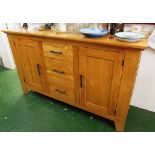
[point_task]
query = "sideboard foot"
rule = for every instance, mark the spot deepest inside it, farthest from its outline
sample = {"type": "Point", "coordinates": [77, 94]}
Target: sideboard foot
{"type": "Point", "coordinates": [119, 127]}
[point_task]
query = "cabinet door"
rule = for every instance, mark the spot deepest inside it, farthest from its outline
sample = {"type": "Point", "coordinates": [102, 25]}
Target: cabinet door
{"type": "Point", "coordinates": [100, 74]}
{"type": "Point", "coordinates": [31, 63]}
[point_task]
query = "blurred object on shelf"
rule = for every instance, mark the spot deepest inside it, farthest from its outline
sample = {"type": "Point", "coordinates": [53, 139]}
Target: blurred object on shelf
{"type": "Point", "coordinates": [112, 29]}
{"type": "Point", "coordinates": [54, 28]}
{"type": "Point", "coordinates": [14, 26]}
{"type": "Point", "coordinates": [31, 27]}
{"type": "Point", "coordinates": [48, 25]}
{"type": "Point", "coordinates": [34, 26]}
{"type": "Point", "coordinates": [119, 27]}
{"type": "Point", "coordinates": [25, 26]}
{"type": "Point", "coordinates": [147, 29]}
{"type": "Point", "coordinates": [136, 28]}
{"type": "Point", "coordinates": [103, 25]}
{"type": "Point", "coordinates": [62, 27]}
{"type": "Point", "coordinates": [75, 27]}
{"type": "Point", "coordinates": [83, 25]}
{"type": "Point", "coordinates": [93, 25]}
{"type": "Point", "coordinates": [42, 27]}
{"type": "Point", "coordinates": [115, 27]}
{"type": "Point", "coordinates": [70, 27]}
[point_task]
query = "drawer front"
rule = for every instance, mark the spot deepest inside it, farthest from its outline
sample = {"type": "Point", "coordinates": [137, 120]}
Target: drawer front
{"type": "Point", "coordinates": [58, 51]}
{"type": "Point", "coordinates": [59, 68]}
{"type": "Point", "coordinates": [61, 89]}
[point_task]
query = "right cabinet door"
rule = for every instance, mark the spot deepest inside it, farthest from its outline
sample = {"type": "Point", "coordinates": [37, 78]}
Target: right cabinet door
{"type": "Point", "coordinates": [99, 76]}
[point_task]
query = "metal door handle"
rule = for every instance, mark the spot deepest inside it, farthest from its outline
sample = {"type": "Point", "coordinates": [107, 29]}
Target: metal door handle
{"type": "Point", "coordinates": [81, 77]}
{"type": "Point", "coordinates": [38, 68]}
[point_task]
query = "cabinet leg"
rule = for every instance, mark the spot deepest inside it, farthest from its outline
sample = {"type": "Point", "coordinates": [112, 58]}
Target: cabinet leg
{"type": "Point", "coordinates": [25, 92]}
{"type": "Point", "coordinates": [119, 127]}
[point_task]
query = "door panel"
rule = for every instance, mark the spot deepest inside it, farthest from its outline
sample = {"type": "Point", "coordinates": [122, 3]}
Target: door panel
{"type": "Point", "coordinates": [31, 62]}
{"type": "Point", "coordinates": [100, 73]}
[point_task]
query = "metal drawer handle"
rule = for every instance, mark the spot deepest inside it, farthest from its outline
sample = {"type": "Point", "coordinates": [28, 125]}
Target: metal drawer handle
{"type": "Point", "coordinates": [55, 52]}
{"type": "Point", "coordinates": [60, 91]}
{"type": "Point", "coordinates": [57, 71]}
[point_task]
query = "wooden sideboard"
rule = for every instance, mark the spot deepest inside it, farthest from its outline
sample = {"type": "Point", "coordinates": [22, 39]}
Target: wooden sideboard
{"type": "Point", "coordinates": [96, 75]}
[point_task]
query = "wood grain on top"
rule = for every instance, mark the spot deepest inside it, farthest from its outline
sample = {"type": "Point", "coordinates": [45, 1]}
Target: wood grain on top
{"type": "Point", "coordinates": [105, 40]}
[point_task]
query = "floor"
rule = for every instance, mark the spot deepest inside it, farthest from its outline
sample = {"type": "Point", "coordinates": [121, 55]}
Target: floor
{"type": "Point", "coordinates": [36, 112]}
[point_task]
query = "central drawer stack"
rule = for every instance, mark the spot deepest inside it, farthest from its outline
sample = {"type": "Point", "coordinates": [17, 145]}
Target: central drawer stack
{"type": "Point", "coordinates": [59, 64]}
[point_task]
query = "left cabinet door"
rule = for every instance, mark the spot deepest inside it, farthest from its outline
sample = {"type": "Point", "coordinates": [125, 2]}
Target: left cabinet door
{"type": "Point", "coordinates": [30, 59]}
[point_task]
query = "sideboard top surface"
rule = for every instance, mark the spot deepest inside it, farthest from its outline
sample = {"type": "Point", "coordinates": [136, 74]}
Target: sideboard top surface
{"type": "Point", "coordinates": [81, 38]}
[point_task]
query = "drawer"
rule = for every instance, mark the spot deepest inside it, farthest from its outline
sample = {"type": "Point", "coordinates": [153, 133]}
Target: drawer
{"type": "Point", "coordinates": [58, 51]}
{"type": "Point", "coordinates": [59, 68]}
{"type": "Point", "coordinates": [61, 89]}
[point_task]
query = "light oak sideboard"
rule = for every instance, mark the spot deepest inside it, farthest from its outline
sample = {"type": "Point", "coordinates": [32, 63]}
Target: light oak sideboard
{"type": "Point", "coordinates": [96, 75]}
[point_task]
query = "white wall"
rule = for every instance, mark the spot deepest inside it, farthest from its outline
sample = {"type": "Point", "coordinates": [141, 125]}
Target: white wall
{"type": "Point", "coordinates": [5, 50]}
{"type": "Point", "coordinates": [144, 90]}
